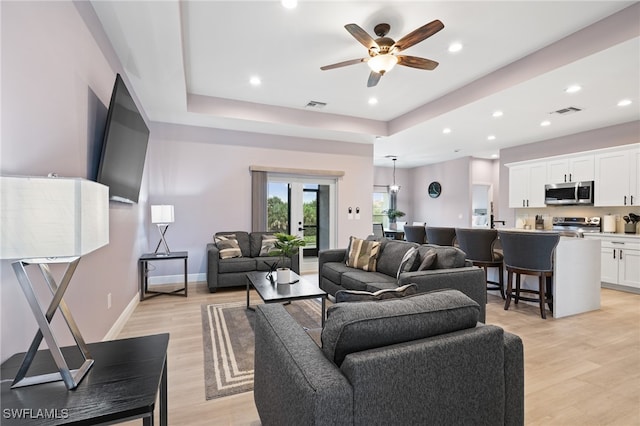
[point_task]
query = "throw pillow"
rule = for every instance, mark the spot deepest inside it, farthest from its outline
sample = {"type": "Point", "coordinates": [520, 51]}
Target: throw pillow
{"type": "Point", "coordinates": [406, 264]}
{"type": "Point", "coordinates": [363, 254]}
{"type": "Point", "coordinates": [228, 246]}
{"type": "Point", "coordinates": [268, 243]}
{"type": "Point", "coordinates": [387, 293]}
{"type": "Point", "coordinates": [428, 260]}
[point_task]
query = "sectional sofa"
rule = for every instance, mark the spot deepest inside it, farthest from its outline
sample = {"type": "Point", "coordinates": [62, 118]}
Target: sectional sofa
{"type": "Point", "coordinates": [432, 268]}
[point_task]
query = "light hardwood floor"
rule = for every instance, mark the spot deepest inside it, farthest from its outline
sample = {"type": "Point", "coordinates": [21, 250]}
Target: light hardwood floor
{"type": "Point", "coordinates": [579, 370]}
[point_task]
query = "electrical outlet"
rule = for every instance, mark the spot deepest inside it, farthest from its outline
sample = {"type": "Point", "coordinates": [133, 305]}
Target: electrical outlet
{"type": "Point", "coordinates": [109, 301]}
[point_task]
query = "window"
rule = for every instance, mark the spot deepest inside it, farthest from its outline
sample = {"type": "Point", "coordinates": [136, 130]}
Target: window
{"type": "Point", "coordinates": [380, 204]}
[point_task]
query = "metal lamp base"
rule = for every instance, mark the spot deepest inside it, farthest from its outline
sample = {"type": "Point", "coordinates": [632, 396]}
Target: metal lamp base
{"type": "Point", "coordinates": [71, 378]}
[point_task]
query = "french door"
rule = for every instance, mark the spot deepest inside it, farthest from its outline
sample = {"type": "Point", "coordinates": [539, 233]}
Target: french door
{"type": "Point", "coordinates": [304, 207]}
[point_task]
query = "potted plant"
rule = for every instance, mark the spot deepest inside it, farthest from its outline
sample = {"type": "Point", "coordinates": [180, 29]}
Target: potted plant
{"type": "Point", "coordinates": [286, 245]}
{"type": "Point", "coordinates": [393, 214]}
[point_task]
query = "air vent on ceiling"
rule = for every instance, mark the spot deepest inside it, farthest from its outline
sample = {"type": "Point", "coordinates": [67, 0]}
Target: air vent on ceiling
{"type": "Point", "coordinates": [316, 104]}
{"type": "Point", "coordinates": [567, 110]}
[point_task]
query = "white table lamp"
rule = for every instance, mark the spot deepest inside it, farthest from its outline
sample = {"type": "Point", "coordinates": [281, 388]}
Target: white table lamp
{"type": "Point", "coordinates": [162, 216]}
{"type": "Point", "coordinates": [47, 221]}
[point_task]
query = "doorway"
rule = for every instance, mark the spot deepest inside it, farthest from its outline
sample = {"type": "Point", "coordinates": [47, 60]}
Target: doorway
{"type": "Point", "coordinates": [304, 207]}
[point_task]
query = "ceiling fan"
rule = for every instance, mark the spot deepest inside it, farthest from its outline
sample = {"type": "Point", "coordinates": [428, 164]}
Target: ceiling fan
{"type": "Point", "coordinates": [383, 51]}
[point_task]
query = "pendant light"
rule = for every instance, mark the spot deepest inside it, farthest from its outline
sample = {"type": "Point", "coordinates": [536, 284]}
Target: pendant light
{"type": "Point", "coordinates": [394, 187]}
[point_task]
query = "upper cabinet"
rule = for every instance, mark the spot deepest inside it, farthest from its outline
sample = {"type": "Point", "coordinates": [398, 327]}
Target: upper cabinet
{"type": "Point", "coordinates": [571, 169]}
{"type": "Point", "coordinates": [617, 177]}
{"type": "Point", "coordinates": [615, 172]}
{"type": "Point", "coordinates": [526, 185]}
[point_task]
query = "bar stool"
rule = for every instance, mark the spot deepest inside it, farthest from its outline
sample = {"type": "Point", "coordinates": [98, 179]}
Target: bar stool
{"type": "Point", "coordinates": [415, 234]}
{"type": "Point", "coordinates": [529, 253]}
{"type": "Point", "coordinates": [479, 245]}
{"type": "Point", "coordinates": [441, 236]}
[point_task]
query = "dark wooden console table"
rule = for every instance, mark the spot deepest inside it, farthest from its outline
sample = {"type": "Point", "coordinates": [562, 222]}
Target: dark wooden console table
{"type": "Point", "coordinates": [122, 385]}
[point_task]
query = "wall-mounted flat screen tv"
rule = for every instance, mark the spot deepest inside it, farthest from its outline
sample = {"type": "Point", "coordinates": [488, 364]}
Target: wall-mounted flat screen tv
{"type": "Point", "coordinates": [124, 146]}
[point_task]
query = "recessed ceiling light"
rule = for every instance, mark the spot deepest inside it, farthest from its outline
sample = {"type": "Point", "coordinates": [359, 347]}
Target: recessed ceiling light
{"type": "Point", "coordinates": [491, 137]}
{"type": "Point", "coordinates": [573, 89]}
{"type": "Point", "coordinates": [289, 4]}
{"type": "Point", "coordinates": [446, 130]}
{"type": "Point", "coordinates": [497, 114]}
{"type": "Point", "coordinates": [373, 101]}
{"type": "Point", "coordinates": [494, 155]}
{"type": "Point", "coordinates": [545, 123]}
{"type": "Point", "coordinates": [624, 102]}
{"type": "Point", "coordinates": [455, 47]}
{"type": "Point", "coordinates": [255, 81]}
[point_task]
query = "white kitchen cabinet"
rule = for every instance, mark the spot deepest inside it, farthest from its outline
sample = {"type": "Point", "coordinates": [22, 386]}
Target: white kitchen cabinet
{"type": "Point", "coordinates": [617, 178]}
{"type": "Point", "coordinates": [526, 185]}
{"type": "Point", "coordinates": [620, 262]}
{"type": "Point", "coordinates": [571, 169]}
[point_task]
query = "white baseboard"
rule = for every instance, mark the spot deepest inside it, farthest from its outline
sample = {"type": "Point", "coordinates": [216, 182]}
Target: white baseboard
{"type": "Point", "coordinates": [122, 319]}
{"type": "Point", "coordinates": [177, 279]}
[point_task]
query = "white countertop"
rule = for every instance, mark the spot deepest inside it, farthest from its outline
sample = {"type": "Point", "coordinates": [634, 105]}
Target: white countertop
{"type": "Point", "coordinates": [631, 237]}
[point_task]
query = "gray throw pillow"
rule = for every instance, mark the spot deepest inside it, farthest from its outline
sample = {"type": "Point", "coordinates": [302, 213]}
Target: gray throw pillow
{"type": "Point", "coordinates": [387, 293]}
{"type": "Point", "coordinates": [406, 264]}
{"type": "Point", "coordinates": [428, 260]}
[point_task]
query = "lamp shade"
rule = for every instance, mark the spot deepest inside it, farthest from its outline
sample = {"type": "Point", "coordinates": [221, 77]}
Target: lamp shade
{"type": "Point", "coordinates": [382, 63]}
{"type": "Point", "coordinates": [52, 217]}
{"type": "Point", "coordinates": [162, 214]}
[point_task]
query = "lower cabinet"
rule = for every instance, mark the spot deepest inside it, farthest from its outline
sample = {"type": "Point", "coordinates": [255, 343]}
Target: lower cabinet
{"type": "Point", "coordinates": [620, 262]}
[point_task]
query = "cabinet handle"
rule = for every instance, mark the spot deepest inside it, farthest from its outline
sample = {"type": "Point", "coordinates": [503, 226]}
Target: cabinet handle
{"type": "Point", "coordinates": [632, 200]}
{"type": "Point", "coordinates": [527, 203]}
{"type": "Point", "coordinates": [570, 178]}
{"type": "Point", "coordinates": [625, 200]}
{"type": "Point", "coordinates": [614, 253]}
{"type": "Point", "coordinates": [620, 254]}
{"type": "Point", "coordinates": [523, 203]}
{"type": "Point", "coordinates": [565, 177]}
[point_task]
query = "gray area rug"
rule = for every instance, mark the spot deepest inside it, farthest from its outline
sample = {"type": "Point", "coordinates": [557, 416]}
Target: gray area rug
{"type": "Point", "coordinates": [228, 341]}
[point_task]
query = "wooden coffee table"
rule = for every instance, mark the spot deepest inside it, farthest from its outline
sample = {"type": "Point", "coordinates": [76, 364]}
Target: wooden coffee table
{"type": "Point", "coordinates": [274, 293]}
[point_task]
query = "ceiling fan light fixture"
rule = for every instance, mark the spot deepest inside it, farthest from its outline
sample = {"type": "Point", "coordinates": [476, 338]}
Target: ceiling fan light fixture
{"type": "Point", "coordinates": [382, 63]}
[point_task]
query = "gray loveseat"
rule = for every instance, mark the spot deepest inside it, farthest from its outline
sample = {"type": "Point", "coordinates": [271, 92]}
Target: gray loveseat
{"type": "Point", "coordinates": [449, 270]}
{"type": "Point", "coordinates": [417, 360]}
{"type": "Point", "coordinates": [232, 272]}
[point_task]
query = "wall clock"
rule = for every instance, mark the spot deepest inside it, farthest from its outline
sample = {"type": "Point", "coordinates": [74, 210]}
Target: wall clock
{"type": "Point", "coordinates": [435, 189]}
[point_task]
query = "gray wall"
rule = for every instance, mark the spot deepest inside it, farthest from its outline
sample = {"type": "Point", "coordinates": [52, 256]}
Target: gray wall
{"type": "Point", "coordinates": [56, 86]}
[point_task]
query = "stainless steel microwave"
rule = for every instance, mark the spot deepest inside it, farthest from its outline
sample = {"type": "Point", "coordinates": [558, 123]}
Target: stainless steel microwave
{"type": "Point", "coordinates": [569, 193]}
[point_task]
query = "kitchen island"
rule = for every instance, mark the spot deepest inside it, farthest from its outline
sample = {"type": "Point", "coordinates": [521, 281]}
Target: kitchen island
{"type": "Point", "coordinates": [576, 275]}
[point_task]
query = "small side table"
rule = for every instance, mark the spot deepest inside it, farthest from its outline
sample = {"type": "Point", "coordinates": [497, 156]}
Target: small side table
{"type": "Point", "coordinates": [143, 266]}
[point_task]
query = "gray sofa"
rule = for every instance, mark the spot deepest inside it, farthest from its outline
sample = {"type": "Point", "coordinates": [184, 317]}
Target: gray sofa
{"type": "Point", "coordinates": [417, 360]}
{"type": "Point", "coordinates": [232, 272]}
{"type": "Point", "coordinates": [449, 270]}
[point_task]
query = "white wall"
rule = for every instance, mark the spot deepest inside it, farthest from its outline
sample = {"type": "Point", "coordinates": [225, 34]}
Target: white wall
{"type": "Point", "coordinates": [205, 174]}
{"type": "Point", "coordinates": [56, 85]}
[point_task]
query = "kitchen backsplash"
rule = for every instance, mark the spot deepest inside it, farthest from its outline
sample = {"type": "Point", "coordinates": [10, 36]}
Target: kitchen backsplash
{"type": "Point", "coordinates": [528, 216]}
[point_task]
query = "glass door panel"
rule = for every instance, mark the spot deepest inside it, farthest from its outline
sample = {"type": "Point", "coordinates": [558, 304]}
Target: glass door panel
{"type": "Point", "coordinates": [310, 224]}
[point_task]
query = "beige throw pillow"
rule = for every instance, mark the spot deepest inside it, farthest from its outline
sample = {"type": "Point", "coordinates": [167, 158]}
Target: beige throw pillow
{"type": "Point", "coordinates": [363, 254]}
{"type": "Point", "coordinates": [268, 244]}
{"type": "Point", "coordinates": [228, 246]}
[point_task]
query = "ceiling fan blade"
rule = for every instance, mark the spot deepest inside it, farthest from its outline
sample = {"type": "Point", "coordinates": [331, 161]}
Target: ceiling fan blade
{"type": "Point", "coordinates": [362, 36]}
{"type": "Point", "coordinates": [343, 64]}
{"type": "Point", "coordinates": [415, 62]}
{"type": "Point", "coordinates": [416, 36]}
{"type": "Point", "coordinates": [374, 78]}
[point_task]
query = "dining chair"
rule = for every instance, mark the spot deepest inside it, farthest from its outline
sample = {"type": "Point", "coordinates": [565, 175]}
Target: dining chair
{"type": "Point", "coordinates": [480, 248]}
{"type": "Point", "coordinates": [529, 253]}
{"type": "Point", "coordinates": [415, 234]}
{"type": "Point", "coordinates": [378, 230]}
{"type": "Point", "coordinates": [441, 236]}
